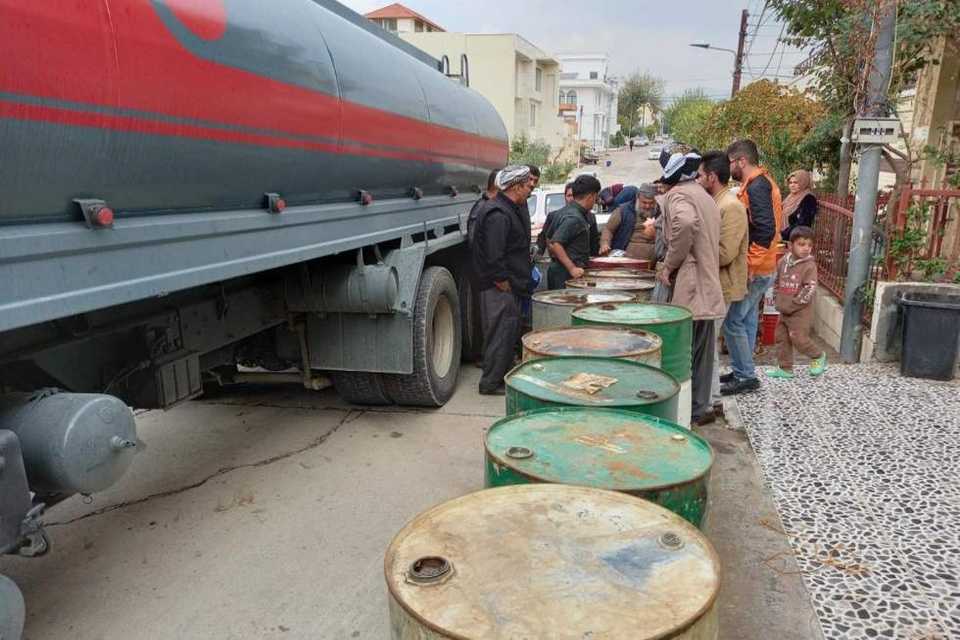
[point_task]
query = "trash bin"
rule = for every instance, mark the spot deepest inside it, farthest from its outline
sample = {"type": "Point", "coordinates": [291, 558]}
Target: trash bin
{"type": "Point", "coordinates": [931, 335]}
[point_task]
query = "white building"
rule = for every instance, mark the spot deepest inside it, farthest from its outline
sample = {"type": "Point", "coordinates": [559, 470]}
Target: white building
{"type": "Point", "coordinates": [397, 18]}
{"type": "Point", "coordinates": [588, 94]}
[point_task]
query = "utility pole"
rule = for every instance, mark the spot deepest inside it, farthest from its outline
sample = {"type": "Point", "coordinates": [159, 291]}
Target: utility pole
{"type": "Point", "coordinates": [858, 271]}
{"type": "Point", "coordinates": [738, 65]}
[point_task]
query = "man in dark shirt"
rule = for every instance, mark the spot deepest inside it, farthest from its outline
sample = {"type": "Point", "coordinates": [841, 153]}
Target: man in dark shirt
{"type": "Point", "coordinates": [761, 197]}
{"type": "Point", "coordinates": [501, 260]}
{"type": "Point", "coordinates": [570, 238]}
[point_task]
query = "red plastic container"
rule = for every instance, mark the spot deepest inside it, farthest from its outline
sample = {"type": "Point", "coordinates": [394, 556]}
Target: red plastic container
{"type": "Point", "coordinates": [768, 335]}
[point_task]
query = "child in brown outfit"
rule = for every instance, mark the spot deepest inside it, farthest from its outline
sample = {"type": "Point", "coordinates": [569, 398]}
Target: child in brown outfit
{"type": "Point", "coordinates": [796, 287]}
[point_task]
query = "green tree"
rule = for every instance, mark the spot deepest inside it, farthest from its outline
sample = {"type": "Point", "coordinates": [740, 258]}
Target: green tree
{"type": "Point", "coordinates": [840, 36]}
{"type": "Point", "coordinates": [638, 90]}
{"type": "Point", "coordinates": [687, 117]}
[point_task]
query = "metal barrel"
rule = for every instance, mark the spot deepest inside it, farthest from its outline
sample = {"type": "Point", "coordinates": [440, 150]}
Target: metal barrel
{"type": "Point", "coordinates": [606, 449]}
{"type": "Point", "coordinates": [673, 323]}
{"type": "Point", "coordinates": [583, 381]}
{"type": "Point", "coordinates": [641, 289]}
{"type": "Point", "coordinates": [534, 561]}
{"type": "Point", "coordinates": [623, 262]}
{"type": "Point", "coordinates": [642, 274]}
{"type": "Point", "coordinates": [609, 342]}
{"type": "Point", "coordinates": [552, 308]}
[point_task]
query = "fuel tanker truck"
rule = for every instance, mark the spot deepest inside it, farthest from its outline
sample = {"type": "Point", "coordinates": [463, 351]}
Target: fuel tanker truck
{"type": "Point", "coordinates": [191, 185]}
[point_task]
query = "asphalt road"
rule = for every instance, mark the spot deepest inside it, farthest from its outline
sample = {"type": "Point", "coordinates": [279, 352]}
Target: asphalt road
{"type": "Point", "coordinates": [265, 512]}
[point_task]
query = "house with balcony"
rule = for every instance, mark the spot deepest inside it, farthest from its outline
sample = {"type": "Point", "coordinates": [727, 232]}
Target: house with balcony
{"type": "Point", "coordinates": [520, 79]}
{"type": "Point", "coordinates": [588, 96]}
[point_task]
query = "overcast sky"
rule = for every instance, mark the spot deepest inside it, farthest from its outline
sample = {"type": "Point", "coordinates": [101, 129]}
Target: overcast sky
{"type": "Point", "coordinates": [639, 35]}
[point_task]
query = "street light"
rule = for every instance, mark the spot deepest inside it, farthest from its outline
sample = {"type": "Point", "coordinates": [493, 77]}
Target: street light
{"type": "Point", "coordinates": [737, 62]}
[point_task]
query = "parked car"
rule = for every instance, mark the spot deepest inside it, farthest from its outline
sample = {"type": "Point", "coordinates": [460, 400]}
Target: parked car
{"type": "Point", "coordinates": [548, 198]}
{"type": "Point", "coordinates": [643, 141]}
{"type": "Point", "coordinates": [654, 153]}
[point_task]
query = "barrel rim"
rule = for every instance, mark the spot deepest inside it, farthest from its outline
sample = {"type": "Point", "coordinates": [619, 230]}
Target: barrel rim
{"type": "Point", "coordinates": [539, 296]}
{"type": "Point", "coordinates": [646, 322]}
{"type": "Point", "coordinates": [640, 284]}
{"type": "Point", "coordinates": [620, 360]}
{"type": "Point", "coordinates": [658, 346]}
{"type": "Point", "coordinates": [473, 495]}
{"type": "Point", "coordinates": [621, 412]}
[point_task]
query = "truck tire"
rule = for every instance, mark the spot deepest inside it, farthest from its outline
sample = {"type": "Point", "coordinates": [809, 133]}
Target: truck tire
{"type": "Point", "coordinates": [472, 340]}
{"type": "Point", "coordinates": [359, 387]}
{"type": "Point", "coordinates": [436, 344]}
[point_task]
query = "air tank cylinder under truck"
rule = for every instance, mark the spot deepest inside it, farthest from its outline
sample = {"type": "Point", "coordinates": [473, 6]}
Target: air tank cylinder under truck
{"type": "Point", "coordinates": [71, 442]}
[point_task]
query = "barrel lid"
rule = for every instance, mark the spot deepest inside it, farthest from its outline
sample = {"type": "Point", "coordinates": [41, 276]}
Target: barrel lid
{"type": "Point", "coordinates": [552, 561]}
{"type": "Point", "coordinates": [616, 284]}
{"type": "Point", "coordinates": [615, 342]}
{"type": "Point", "coordinates": [617, 382]}
{"type": "Point", "coordinates": [619, 261]}
{"type": "Point", "coordinates": [641, 313]}
{"type": "Point", "coordinates": [602, 448]}
{"type": "Point", "coordinates": [579, 297]}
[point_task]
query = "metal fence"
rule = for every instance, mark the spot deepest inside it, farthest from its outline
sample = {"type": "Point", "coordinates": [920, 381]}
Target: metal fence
{"type": "Point", "coordinates": [832, 232]}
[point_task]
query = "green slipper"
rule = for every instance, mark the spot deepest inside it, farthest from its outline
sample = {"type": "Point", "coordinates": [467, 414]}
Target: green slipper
{"type": "Point", "coordinates": [818, 365]}
{"type": "Point", "coordinates": [779, 373]}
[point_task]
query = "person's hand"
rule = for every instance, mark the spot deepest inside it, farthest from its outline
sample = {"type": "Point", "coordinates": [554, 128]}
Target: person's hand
{"type": "Point", "coordinates": [664, 277]}
{"type": "Point", "coordinates": [604, 249]}
{"type": "Point", "coordinates": [503, 285]}
{"type": "Point", "coordinates": [577, 273]}
{"type": "Point", "coordinates": [649, 231]}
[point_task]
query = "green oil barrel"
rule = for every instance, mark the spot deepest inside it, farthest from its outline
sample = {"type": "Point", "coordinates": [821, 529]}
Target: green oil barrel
{"type": "Point", "coordinates": [609, 342]}
{"type": "Point", "coordinates": [606, 449]}
{"type": "Point", "coordinates": [551, 561]}
{"type": "Point", "coordinates": [673, 323]}
{"type": "Point", "coordinates": [582, 381]}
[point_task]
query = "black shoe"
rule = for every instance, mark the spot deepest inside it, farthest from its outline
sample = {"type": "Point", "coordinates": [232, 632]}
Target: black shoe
{"type": "Point", "coordinates": [496, 391]}
{"type": "Point", "coordinates": [728, 377]}
{"type": "Point", "coordinates": [739, 386]}
{"type": "Point", "coordinates": [707, 418]}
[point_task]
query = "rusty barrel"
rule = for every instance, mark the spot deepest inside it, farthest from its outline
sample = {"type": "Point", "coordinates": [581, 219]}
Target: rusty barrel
{"type": "Point", "coordinates": [639, 288]}
{"type": "Point", "coordinates": [673, 323]}
{"type": "Point", "coordinates": [629, 274]}
{"type": "Point", "coordinates": [552, 308]}
{"type": "Point", "coordinates": [606, 449]}
{"type": "Point", "coordinates": [584, 381]}
{"type": "Point", "coordinates": [623, 262]}
{"type": "Point", "coordinates": [551, 561]}
{"type": "Point", "coordinates": [609, 342]}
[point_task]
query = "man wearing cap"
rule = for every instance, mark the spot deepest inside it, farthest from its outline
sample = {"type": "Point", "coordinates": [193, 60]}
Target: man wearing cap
{"type": "Point", "coordinates": [691, 227]}
{"type": "Point", "coordinates": [628, 228]}
{"type": "Point", "coordinates": [501, 261]}
{"type": "Point", "coordinates": [569, 237]}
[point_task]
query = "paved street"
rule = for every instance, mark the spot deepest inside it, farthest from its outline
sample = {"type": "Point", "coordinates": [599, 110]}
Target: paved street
{"type": "Point", "coordinates": [264, 512]}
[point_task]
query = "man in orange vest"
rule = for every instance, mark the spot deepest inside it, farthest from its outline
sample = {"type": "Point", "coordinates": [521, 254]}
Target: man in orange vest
{"type": "Point", "coordinates": [761, 196]}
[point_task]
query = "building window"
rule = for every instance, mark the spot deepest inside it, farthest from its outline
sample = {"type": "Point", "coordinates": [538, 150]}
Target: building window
{"type": "Point", "coordinates": [429, 29]}
{"type": "Point", "coordinates": [390, 24]}
{"type": "Point", "coordinates": [418, 26]}
{"type": "Point", "coordinates": [594, 75]}
{"type": "Point", "coordinates": [572, 97]}
{"type": "Point", "coordinates": [533, 114]}
{"type": "Point", "coordinates": [538, 79]}
{"type": "Point", "coordinates": [563, 97]}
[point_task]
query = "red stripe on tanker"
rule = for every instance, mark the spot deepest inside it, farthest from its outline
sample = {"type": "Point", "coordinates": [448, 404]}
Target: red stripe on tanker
{"type": "Point", "coordinates": [120, 54]}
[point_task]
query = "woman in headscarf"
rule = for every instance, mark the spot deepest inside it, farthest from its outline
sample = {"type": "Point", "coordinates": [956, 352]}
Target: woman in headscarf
{"type": "Point", "coordinates": [800, 207]}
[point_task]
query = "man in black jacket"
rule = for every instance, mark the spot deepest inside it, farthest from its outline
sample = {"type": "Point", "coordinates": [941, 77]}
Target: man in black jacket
{"type": "Point", "coordinates": [501, 261]}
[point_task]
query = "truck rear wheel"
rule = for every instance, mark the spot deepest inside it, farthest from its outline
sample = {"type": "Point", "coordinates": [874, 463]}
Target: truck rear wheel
{"type": "Point", "coordinates": [472, 341]}
{"type": "Point", "coordinates": [359, 387]}
{"type": "Point", "coordinates": [436, 344]}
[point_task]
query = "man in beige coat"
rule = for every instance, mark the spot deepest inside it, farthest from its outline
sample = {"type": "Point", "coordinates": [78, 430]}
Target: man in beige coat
{"type": "Point", "coordinates": [692, 233]}
{"type": "Point", "coordinates": [714, 177]}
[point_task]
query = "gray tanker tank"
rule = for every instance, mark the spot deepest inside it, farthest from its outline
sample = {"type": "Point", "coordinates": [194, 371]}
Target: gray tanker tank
{"type": "Point", "coordinates": [175, 105]}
